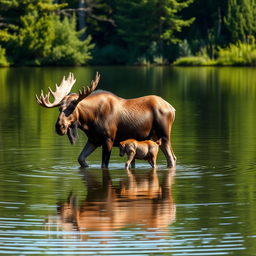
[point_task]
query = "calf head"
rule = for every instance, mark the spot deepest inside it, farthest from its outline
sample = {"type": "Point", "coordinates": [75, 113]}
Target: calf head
{"type": "Point", "coordinates": [122, 148]}
{"type": "Point", "coordinates": [67, 102]}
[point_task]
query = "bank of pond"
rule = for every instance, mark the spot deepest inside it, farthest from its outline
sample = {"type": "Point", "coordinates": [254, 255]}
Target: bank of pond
{"type": "Point", "coordinates": [239, 54]}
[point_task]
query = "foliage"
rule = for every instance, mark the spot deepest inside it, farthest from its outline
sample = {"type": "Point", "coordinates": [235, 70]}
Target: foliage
{"type": "Point", "coordinates": [34, 38]}
{"type": "Point", "coordinates": [169, 20]}
{"type": "Point", "coordinates": [110, 54]}
{"type": "Point", "coordinates": [67, 48]}
{"type": "Point", "coordinates": [239, 54]}
{"type": "Point", "coordinates": [208, 27]}
{"type": "Point", "coordinates": [143, 23]}
{"type": "Point", "coordinates": [134, 27]}
{"type": "Point", "coordinates": [200, 59]}
{"type": "Point", "coordinates": [3, 60]}
{"type": "Point", "coordinates": [41, 37]}
{"type": "Point", "coordinates": [240, 19]}
{"type": "Point", "coordinates": [140, 32]}
{"type": "Point", "coordinates": [193, 61]}
{"type": "Point", "coordinates": [184, 48]}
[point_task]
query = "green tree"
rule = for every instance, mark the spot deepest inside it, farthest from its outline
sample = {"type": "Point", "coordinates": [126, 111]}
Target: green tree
{"type": "Point", "coordinates": [134, 26]}
{"type": "Point", "coordinates": [38, 35]}
{"type": "Point", "coordinates": [169, 20]}
{"type": "Point", "coordinates": [28, 37]}
{"type": "Point", "coordinates": [240, 19]}
{"type": "Point", "coordinates": [67, 48]}
{"type": "Point", "coordinates": [146, 26]}
{"type": "Point", "coordinates": [208, 30]}
{"type": "Point", "coordinates": [34, 38]}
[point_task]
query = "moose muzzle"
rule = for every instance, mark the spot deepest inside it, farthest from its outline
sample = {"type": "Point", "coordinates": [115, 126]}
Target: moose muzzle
{"type": "Point", "coordinates": [70, 130]}
{"type": "Point", "coordinates": [60, 128]}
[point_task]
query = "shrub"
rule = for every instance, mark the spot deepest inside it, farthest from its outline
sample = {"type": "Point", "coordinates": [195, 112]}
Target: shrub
{"type": "Point", "coordinates": [240, 54]}
{"type": "Point", "coordinates": [33, 40]}
{"type": "Point", "coordinates": [45, 39]}
{"type": "Point", "coordinates": [3, 60]}
{"type": "Point", "coordinates": [193, 61]}
{"type": "Point", "coordinates": [184, 48]}
{"type": "Point", "coordinates": [67, 48]}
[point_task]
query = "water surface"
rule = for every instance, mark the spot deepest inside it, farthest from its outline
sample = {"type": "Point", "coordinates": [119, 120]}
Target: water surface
{"type": "Point", "coordinates": [204, 207]}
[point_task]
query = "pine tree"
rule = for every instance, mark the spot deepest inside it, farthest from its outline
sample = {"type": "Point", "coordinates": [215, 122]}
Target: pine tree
{"type": "Point", "coordinates": [146, 26]}
{"type": "Point", "coordinates": [240, 20]}
{"type": "Point", "coordinates": [31, 37]}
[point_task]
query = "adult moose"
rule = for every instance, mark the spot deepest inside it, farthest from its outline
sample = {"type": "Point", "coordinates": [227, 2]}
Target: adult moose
{"type": "Point", "coordinates": [108, 119]}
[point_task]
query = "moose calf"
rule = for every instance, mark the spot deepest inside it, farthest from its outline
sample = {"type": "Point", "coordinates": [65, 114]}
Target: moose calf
{"type": "Point", "coordinates": [134, 149]}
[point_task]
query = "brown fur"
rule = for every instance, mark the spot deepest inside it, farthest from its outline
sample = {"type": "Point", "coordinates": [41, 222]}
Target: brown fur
{"type": "Point", "coordinates": [134, 149]}
{"type": "Point", "coordinates": [108, 119]}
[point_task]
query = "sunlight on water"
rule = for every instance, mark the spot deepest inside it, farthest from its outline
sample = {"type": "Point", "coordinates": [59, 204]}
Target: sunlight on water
{"type": "Point", "coordinates": [203, 207]}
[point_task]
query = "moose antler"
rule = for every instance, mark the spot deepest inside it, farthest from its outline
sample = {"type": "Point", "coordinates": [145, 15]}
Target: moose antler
{"type": "Point", "coordinates": [89, 89]}
{"type": "Point", "coordinates": [61, 91]}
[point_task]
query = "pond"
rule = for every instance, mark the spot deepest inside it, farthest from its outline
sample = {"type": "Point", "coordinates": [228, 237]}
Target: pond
{"type": "Point", "coordinates": [206, 206]}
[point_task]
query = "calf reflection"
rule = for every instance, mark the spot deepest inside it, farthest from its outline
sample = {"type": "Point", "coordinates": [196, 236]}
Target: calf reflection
{"type": "Point", "coordinates": [136, 200]}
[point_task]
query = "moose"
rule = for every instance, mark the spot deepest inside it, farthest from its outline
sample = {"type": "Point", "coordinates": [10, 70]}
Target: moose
{"type": "Point", "coordinates": [108, 119]}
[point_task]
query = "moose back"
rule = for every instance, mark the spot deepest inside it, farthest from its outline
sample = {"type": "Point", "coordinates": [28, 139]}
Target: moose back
{"type": "Point", "coordinates": [108, 119]}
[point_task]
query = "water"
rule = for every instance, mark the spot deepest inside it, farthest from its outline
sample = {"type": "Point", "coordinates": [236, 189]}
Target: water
{"type": "Point", "coordinates": [204, 207]}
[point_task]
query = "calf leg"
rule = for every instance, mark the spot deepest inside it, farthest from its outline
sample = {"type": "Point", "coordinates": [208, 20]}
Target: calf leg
{"type": "Point", "coordinates": [87, 150]}
{"type": "Point", "coordinates": [129, 160]}
{"type": "Point", "coordinates": [152, 161]}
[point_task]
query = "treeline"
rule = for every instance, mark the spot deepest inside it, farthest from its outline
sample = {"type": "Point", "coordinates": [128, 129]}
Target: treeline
{"type": "Point", "coordinates": [127, 32]}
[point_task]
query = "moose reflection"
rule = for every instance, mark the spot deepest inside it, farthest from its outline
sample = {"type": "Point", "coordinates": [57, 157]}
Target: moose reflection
{"type": "Point", "coordinates": [137, 200]}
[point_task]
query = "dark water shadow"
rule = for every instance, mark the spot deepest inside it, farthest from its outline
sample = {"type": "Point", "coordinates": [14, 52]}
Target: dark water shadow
{"type": "Point", "coordinates": [138, 199]}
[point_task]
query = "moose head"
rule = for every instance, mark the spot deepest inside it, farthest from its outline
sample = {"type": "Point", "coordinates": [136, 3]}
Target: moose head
{"type": "Point", "coordinates": [67, 102]}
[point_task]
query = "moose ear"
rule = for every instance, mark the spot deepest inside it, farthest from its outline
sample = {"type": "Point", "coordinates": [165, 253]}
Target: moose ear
{"type": "Point", "coordinates": [72, 133]}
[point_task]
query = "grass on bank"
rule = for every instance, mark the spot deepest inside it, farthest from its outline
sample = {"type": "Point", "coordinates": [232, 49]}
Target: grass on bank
{"type": "Point", "coordinates": [239, 54]}
{"type": "Point", "coordinates": [194, 61]}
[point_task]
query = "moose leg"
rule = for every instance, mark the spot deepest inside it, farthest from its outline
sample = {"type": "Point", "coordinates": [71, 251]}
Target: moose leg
{"type": "Point", "coordinates": [106, 152]}
{"type": "Point", "coordinates": [87, 150]}
{"type": "Point", "coordinates": [168, 152]}
{"type": "Point", "coordinates": [173, 155]}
